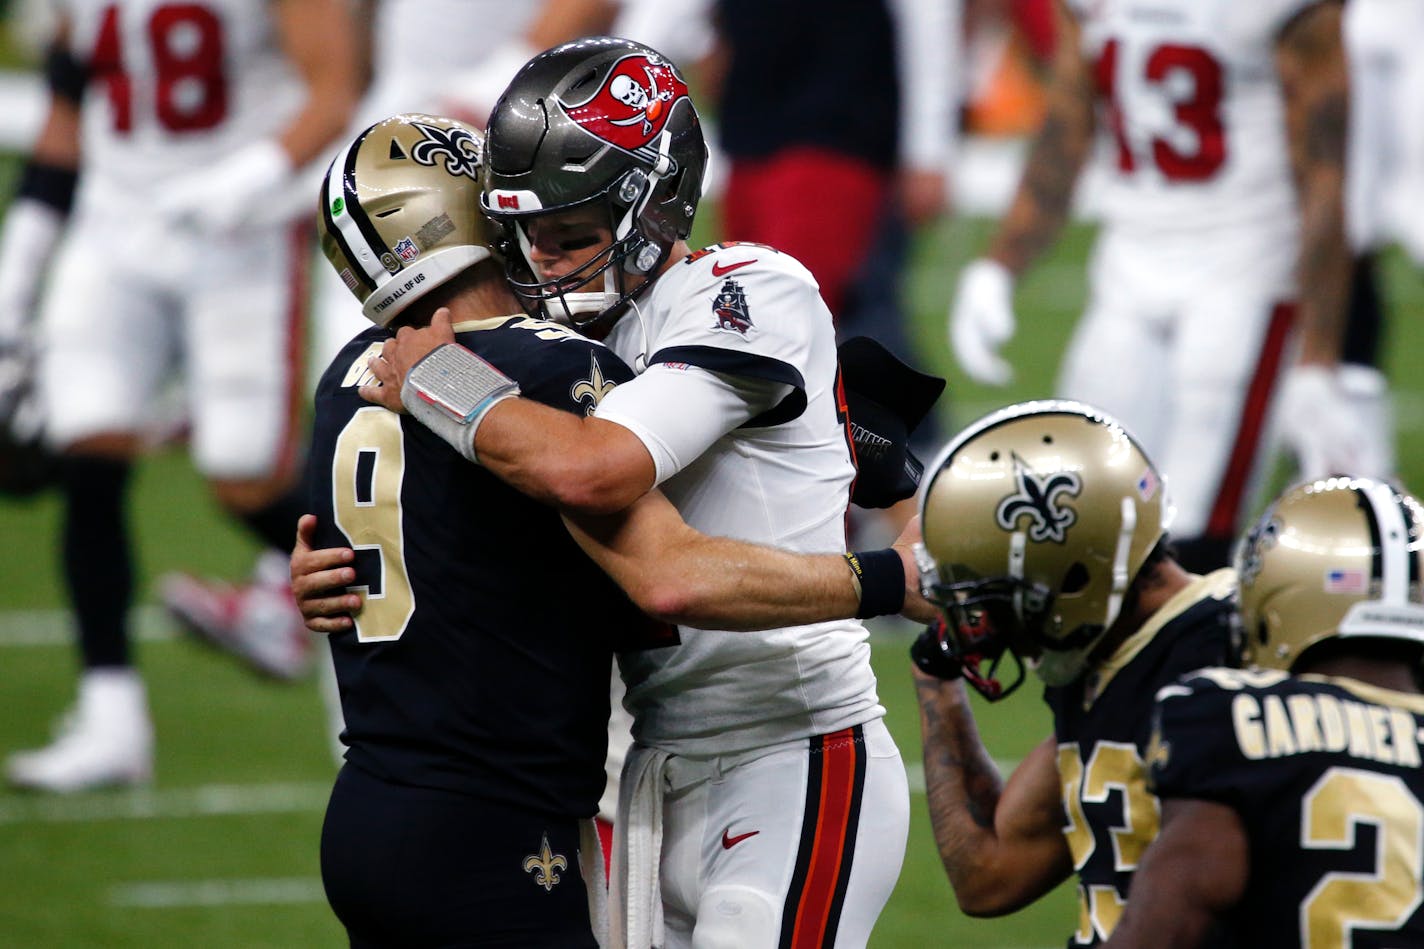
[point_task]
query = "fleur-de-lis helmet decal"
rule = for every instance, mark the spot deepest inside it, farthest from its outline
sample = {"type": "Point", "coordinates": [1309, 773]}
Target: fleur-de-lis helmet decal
{"type": "Point", "coordinates": [1042, 501]}
{"type": "Point", "coordinates": [1036, 519]}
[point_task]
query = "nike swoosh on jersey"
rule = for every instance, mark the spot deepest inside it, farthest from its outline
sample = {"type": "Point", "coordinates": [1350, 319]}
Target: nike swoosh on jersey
{"type": "Point", "coordinates": [720, 271]}
{"type": "Point", "coordinates": [729, 842]}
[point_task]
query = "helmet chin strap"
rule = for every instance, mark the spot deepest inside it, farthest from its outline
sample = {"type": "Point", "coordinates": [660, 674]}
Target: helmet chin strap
{"type": "Point", "coordinates": [646, 256]}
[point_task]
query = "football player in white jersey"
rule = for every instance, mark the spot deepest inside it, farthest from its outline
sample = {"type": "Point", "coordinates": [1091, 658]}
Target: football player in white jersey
{"type": "Point", "coordinates": [187, 247]}
{"type": "Point", "coordinates": [763, 787]}
{"type": "Point", "coordinates": [1384, 203]}
{"type": "Point", "coordinates": [1220, 129]}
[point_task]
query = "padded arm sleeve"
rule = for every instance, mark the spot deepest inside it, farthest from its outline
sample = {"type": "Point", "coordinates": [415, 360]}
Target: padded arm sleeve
{"type": "Point", "coordinates": [679, 412]}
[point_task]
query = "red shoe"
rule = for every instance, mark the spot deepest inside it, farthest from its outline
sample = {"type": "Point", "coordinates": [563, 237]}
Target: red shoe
{"type": "Point", "coordinates": [258, 622]}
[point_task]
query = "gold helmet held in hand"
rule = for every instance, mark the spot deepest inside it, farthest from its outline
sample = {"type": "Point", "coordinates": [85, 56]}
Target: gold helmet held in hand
{"type": "Point", "coordinates": [1331, 560]}
{"type": "Point", "coordinates": [400, 211]}
{"type": "Point", "coordinates": [1036, 520]}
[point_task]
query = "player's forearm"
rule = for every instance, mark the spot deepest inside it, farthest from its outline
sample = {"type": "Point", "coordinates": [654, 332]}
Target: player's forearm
{"type": "Point", "coordinates": [320, 37]}
{"type": "Point", "coordinates": [1060, 148]}
{"type": "Point", "coordinates": [559, 21]}
{"type": "Point", "coordinates": [1324, 273]}
{"type": "Point", "coordinates": [573, 462]}
{"type": "Point", "coordinates": [963, 788]}
{"type": "Point", "coordinates": [1315, 87]}
{"type": "Point", "coordinates": [679, 575]}
{"type": "Point", "coordinates": [717, 583]}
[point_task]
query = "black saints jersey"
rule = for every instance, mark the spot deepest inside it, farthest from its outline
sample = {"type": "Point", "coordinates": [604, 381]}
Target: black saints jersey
{"type": "Point", "coordinates": [481, 658]}
{"type": "Point", "coordinates": [1103, 723]}
{"type": "Point", "coordinates": [1325, 774]}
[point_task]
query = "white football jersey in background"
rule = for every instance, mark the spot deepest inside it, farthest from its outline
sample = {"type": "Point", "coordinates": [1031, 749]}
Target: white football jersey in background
{"type": "Point", "coordinates": [1190, 115]}
{"type": "Point", "coordinates": [175, 87]}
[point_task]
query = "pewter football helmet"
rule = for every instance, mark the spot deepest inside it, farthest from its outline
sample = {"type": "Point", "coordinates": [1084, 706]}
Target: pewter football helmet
{"type": "Point", "coordinates": [1331, 560]}
{"type": "Point", "coordinates": [1036, 520]}
{"type": "Point", "coordinates": [600, 121]}
{"type": "Point", "coordinates": [400, 211]}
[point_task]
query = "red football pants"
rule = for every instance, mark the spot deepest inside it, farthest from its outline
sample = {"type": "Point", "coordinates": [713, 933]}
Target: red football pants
{"type": "Point", "coordinates": [820, 207]}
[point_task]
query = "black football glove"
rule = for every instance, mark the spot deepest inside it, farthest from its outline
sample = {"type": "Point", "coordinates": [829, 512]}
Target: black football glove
{"type": "Point", "coordinates": [931, 655]}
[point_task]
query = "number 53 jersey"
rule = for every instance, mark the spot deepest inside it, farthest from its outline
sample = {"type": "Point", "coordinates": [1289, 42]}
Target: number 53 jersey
{"type": "Point", "coordinates": [174, 86]}
{"type": "Point", "coordinates": [1325, 775]}
{"type": "Point", "coordinates": [1103, 725]}
{"type": "Point", "coordinates": [1190, 119]}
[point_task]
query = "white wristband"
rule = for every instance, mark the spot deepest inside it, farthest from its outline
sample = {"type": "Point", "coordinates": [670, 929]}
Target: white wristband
{"type": "Point", "coordinates": [450, 391]}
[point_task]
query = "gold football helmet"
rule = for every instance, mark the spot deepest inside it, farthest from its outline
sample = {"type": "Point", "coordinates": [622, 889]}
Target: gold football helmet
{"type": "Point", "coordinates": [400, 211]}
{"type": "Point", "coordinates": [1036, 519]}
{"type": "Point", "coordinates": [1331, 560]}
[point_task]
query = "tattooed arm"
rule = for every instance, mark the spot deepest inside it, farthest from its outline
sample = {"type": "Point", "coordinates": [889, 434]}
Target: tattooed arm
{"type": "Point", "coordinates": [1001, 843]}
{"type": "Point", "coordinates": [1310, 59]}
{"type": "Point", "coordinates": [1041, 204]}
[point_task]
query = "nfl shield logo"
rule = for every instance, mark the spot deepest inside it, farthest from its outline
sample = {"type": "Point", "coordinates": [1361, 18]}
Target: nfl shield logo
{"type": "Point", "coordinates": [406, 248]}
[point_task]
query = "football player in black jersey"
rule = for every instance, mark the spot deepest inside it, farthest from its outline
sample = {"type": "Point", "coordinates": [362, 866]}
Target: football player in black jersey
{"type": "Point", "coordinates": [475, 693]}
{"type": "Point", "coordinates": [1045, 541]}
{"type": "Point", "coordinates": [1292, 791]}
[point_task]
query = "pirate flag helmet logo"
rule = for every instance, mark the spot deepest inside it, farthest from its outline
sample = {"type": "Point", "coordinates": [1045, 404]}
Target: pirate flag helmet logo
{"type": "Point", "coordinates": [631, 106]}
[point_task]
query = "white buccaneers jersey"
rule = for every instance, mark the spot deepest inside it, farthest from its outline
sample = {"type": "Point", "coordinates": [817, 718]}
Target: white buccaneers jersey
{"type": "Point", "coordinates": [1191, 121]}
{"type": "Point", "coordinates": [174, 87]}
{"type": "Point", "coordinates": [777, 475]}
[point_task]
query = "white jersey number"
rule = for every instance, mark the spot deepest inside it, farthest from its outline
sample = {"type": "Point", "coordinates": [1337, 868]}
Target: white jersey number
{"type": "Point", "coordinates": [1199, 111]}
{"type": "Point", "coordinates": [185, 46]}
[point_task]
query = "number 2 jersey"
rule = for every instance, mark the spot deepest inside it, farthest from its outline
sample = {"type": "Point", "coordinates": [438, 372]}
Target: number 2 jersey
{"type": "Point", "coordinates": [1325, 774]}
{"type": "Point", "coordinates": [481, 657]}
{"type": "Point", "coordinates": [174, 87]}
{"type": "Point", "coordinates": [1103, 723]}
{"type": "Point", "coordinates": [1190, 116]}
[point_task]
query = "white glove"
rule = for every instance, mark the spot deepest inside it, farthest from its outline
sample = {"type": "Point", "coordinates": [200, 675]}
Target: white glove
{"type": "Point", "coordinates": [27, 240]}
{"type": "Point", "coordinates": [981, 320]}
{"type": "Point", "coordinates": [231, 194]}
{"type": "Point", "coordinates": [1321, 423]}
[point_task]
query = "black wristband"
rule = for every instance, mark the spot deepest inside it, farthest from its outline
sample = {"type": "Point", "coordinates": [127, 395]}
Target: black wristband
{"type": "Point", "coordinates": [65, 75]}
{"type": "Point", "coordinates": [50, 185]}
{"type": "Point", "coordinates": [882, 581]}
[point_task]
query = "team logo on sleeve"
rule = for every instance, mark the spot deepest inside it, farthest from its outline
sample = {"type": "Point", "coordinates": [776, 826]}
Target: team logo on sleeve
{"type": "Point", "coordinates": [1043, 501]}
{"type": "Point", "coordinates": [592, 390]}
{"type": "Point", "coordinates": [632, 106]}
{"type": "Point", "coordinates": [545, 865]}
{"type": "Point", "coordinates": [730, 308]}
{"type": "Point", "coordinates": [456, 147]}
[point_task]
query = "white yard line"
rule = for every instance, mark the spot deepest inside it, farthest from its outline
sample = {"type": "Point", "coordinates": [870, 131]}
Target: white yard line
{"type": "Point", "coordinates": [209, 800]}
{"type": "Point", "coordinates": [55, 627]}
{"type": "Point", "coordinates": [255, 892]}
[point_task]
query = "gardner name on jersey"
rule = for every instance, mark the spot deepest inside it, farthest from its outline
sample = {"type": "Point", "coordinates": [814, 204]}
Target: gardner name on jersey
{"type": "Point", "coordinates": [1325, 776]}
{"type": "Point", "coordinates": [480, 660]}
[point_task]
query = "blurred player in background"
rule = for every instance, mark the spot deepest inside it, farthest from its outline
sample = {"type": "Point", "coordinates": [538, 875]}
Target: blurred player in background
{"type": "Point", "coordinates": [1045, 526]}
{"type": "Point", "coordinates": [184, 124]}
{"type": "Point", "coordinates": [839, 152]}
{"type": "Point", "coordinates": [1220, 129]}
{"type": "Point", "coordinates": [1293, 791]}
{"type": "Point", "coordinates": [1384, 203]}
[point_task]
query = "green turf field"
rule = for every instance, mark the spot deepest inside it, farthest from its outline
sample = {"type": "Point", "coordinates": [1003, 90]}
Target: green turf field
{"type": "Point", "coordinates": [222, 851]}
